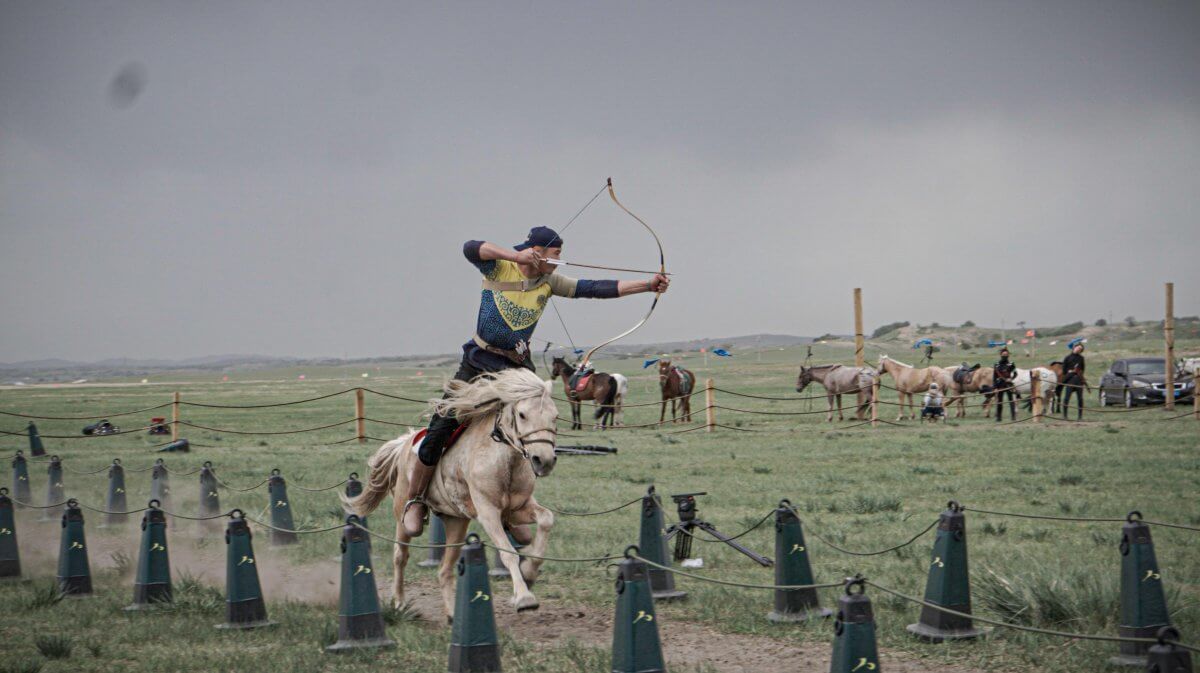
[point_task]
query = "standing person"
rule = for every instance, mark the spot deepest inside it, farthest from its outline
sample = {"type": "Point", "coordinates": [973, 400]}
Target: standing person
{"type": "Point", "coordinates": [1073, 367]}
{"type": "Point", "coordinates": [517, 284]}
{"type": "Point", "coordinates": [1002, 383]}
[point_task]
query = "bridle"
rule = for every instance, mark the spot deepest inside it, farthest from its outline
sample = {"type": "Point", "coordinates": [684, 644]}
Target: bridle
{"type": "Point", "coordinates": [519, 443]}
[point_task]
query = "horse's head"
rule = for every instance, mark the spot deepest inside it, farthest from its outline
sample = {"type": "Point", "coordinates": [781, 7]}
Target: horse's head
{"type": "Point", "coordinates": [664, 368]}
{"type": "Point", "coordinates": [519, 405]}
{"type": "Point", "coordinates": [560, 367]}
{"type": "Point", "coordinates": [805, 378]}
{"type": "Point", "coordinates": [532, 428]}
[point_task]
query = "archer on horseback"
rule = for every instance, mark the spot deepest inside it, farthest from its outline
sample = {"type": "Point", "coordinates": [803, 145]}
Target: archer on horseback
{"type": "Point", "coordinates": [517, 285]}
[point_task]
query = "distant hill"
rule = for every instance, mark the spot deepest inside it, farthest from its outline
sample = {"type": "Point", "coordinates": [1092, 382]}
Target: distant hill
{"type": "Point", "coordinates": [59, 370]}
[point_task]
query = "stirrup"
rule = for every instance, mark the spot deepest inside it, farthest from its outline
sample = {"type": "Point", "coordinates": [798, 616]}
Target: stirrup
{"type": "Point", "coordinates": [417, 500]}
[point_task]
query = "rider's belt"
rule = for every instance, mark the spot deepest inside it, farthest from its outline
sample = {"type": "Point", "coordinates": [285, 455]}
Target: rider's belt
{"type": "Point", "coordinates": [515, 285]}
{"type": "Point", "coordinates": [516, 356]}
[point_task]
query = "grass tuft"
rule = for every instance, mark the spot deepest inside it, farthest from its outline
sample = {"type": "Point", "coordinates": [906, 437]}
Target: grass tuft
{"type": "Point", "coordinates": [122, 563]}
{"type": "Point", "coordinates": [393, 615]}
{"type": "Point", "coordinates": [988, 528]}
{"type": "Point", "coordinates": [44, 596]}
{"type": "Point", "coordinates": [1070, 480]}
{"type": "Point", "coordinates": [54, 647]}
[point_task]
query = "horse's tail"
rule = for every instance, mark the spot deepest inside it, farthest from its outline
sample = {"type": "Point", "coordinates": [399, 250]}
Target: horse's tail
{"type": "Point", "coordinates": [384, 468]}
{"type": "Point", "coordinates": [608, 404]}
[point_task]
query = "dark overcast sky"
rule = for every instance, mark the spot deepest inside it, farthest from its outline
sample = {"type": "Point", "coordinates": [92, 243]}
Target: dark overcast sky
{"type": "Point", "coordinates": [298, 178]}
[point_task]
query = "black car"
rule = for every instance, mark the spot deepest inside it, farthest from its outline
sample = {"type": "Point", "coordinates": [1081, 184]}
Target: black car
{"type": "Point", "coordinates": [1134, 381]}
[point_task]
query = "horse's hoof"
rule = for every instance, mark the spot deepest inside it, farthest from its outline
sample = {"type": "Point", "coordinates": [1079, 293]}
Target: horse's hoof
{"type": "Point", "coordinates": [526, 603]}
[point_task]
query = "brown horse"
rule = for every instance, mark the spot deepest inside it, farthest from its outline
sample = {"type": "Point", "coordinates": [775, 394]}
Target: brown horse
{"type": "Point", "coordinates": [909, 380]}
{"type": "Point", "coordinates": [677, 384]}
{"type": "Point", "coordinates": [600, 388]}
{"type": "Point", "coordinates": [840, 380]}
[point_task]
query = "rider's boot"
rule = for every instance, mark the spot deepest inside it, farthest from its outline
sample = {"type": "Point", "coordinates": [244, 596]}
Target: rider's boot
{"type": "Point", "coordinates": [414, 499]}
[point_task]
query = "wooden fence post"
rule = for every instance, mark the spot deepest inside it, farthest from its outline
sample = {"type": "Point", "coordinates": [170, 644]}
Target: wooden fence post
{"type": "Point", "coordinates": [1035, 393]}
{"type": "Point", "coordinates": [359, 415]}
{"type": "Point", "coordinates": [859, 356]}
{"type": "Point", "coordinates": [1169, 337]}
{"type": "Point", "coordinates": [710, 414]}
{"type": "Point", "coordinates": [175, 417]}
{"type": "Point", "coordinates": [874, 401]}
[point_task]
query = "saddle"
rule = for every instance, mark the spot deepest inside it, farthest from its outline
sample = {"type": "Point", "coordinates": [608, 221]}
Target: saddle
{"type": "Point", "coordinates": [964, 374]}
{"type": "Point", "coordinates": [580, 379]}
{"type": "Point", "coordinates": [420, 436]}
{"type": "Point", "coordinates": [685, 380]}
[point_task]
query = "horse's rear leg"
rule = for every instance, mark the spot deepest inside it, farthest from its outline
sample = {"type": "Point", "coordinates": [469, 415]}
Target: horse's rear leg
{"type": "Point", "coordinates": [456, 532]}
{"type": "Point", "coordinates": [488, 515]}
{"type": "Point", "coordinates": [532, 512]}
{"type": "Point", "coordinates": [829, 413]}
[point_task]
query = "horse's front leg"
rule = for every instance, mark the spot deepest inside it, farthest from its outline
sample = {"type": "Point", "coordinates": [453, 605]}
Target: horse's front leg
{"type": "Point", "coordinates": [575, 414]}
{"type": "Point", "coordinates": [674, 401]}
{"type": "Point", "coordinates": [456, 532]}
{"type": "Point", "coordinates": [839, 403]}
{"type": "Point", "coordinates": [829, 412]}
{"type": "Point", "coordinates": [532, 512]}
{"type": "Point", "coordinates": [399, 560]}
{"type": "Point", "coordinates": [662, 416]}
{"type": "Point", "coordinates": [488, 515]}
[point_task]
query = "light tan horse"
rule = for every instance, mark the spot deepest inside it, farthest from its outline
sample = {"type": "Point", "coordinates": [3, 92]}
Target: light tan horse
{"type": "Point", "coordinates": [909, 381]}
{"type": "Point", "coordinates": [956, 392]}
{"type": "Point", "coordinates": [478, 477]}
{"type": "Point", "coordinates": [840, 380]}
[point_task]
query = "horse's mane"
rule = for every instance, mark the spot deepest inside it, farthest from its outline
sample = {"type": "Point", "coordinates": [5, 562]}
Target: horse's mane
{"type": "Point", "coordinates": [487, 393]}
{"type": "Point", "coordinates": [836, 364]}
{"type": "Point", "coordinates": [885, 356]}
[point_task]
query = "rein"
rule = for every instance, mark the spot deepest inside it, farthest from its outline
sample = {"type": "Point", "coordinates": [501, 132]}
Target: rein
{"type": "Point", "coordinates": [519, 442]}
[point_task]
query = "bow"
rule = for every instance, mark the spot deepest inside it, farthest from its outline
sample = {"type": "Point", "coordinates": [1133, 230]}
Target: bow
{"type": "Point", "coordinates": [662, 268]}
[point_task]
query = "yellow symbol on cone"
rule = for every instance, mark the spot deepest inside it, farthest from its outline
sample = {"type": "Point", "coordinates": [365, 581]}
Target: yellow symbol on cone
{"type": "Point", "coordinates": [280, 503]}
{"type": "Point", "coordinates": [480, 596]}
{"type": "Point", "coordinates": [22, 478]}
{"type": "Point", "coordinates": [1151, 575]}
{"type": "Point", "coordinates": [212, 494]}
{"type": "Point", "coordinates": [937, 561]}
{"type": "Point", "coordinates": [157, 547]}
{"type": "Point", "coordinates": [76, 545]}
{"type": "Point", "coordinates": [796, 548]}
{"type": "Point", "coordinates": [361, 569]}
{"type": "Point", "coordinates": [120, 490]}
{"type": "Point", "coordinates": [642, 615]}
{"type": "Point", "coordinates": [5, 531]}
{"type": "Point", "coordinates": [58, 484]}
{"type": "Point", "coordinates": [246, 559]}
{"type": "Point", "coordinates": [862, 662]}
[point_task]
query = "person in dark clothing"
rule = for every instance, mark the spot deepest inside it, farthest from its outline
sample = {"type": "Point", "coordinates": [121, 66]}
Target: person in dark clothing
{"type": "Point", "coordinates": [1073, 367]}
{"type": "Point", "coordinates": [517, 285]}
{"type": "Point", "coordinates": [1002, 383]}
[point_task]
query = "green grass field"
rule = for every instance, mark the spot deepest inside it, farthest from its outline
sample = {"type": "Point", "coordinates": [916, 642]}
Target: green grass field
{"type": "Point", "coordinates": [861, 488]}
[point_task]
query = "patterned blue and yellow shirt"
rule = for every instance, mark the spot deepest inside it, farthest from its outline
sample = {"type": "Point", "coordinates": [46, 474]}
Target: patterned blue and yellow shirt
{"type": "Point", "coordinates": [507, 318]}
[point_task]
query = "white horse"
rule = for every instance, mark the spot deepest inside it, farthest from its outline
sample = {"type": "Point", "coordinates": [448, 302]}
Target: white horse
{"type": "Point", "coordinates": [487, 475]}
{"type": "Point", "coordinates": [622, 391]}
{"type": "Point", "coordinates": [1023, 385]}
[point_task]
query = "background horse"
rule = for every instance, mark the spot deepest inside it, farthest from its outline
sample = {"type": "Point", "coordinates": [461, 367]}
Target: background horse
{"type": "Point", "coordinates": [600, 388]}
{"type": "Point", "coordinates": [677, 384]}
{"type": "Point", "coordinates": [617, 410]}
{"type": "Point", "coordinates": [478, 477]}
{"type": "Point", "coordinates": [909, 380]}
{"type": "Point", "coordinates": [839, 380]}
{"type": "Point", "coordinates": [955, 391]}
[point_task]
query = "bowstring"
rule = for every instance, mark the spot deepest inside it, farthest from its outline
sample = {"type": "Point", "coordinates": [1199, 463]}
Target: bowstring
{"type": "Point", "coordinates": [560, 231]}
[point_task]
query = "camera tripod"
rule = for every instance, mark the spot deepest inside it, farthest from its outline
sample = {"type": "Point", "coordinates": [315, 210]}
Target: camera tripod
{"type": "Point", "coordinates": [688, 523]}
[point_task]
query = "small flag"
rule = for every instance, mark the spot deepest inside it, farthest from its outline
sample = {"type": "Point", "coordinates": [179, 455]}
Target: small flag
{"type": "Point", "coordinates": [993, 344]}
{"type": "Point", "coordinates": [923, 342]}
{"type": "Point", "coordinates": [1054, 342]}
{"type": "Point", "coordinates": [702, 350]}
{"type": "Point", "coordinates": [1029, 333]}
{"type": "Point", "coordinates": [722, 352]}
{"type": "Point", "coordinates": [578, 351]}
{"type": "Point", "coordinates": [647, 363]}
{"type": "Point", "coordinates": [1024, 341]}
{"type": "Point", "coordinates": [1076, 341]}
